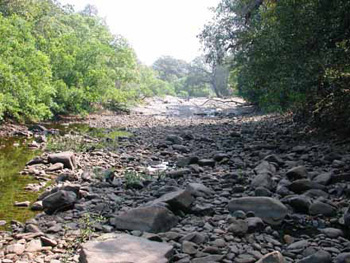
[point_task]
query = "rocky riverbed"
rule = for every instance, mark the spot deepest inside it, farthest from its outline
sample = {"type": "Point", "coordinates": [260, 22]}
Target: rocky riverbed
{"type": "Point", "coordinates": [220, 184]}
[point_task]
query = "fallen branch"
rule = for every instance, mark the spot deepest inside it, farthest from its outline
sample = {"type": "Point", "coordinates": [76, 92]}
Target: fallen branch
{"type": "Point", "coordinates": [223, 101]}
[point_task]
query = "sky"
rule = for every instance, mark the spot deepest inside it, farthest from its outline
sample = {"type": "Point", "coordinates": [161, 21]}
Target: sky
{"type": "Point", "coordinates": [155, 27]}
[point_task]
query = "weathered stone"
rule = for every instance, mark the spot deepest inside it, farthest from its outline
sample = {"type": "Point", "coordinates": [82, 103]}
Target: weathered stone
{"type": "Point", "coordinates": [125, 248]}
{"type": "Point", "coordinates": [332, 232]}
{"type": "Point", "coordinates": [342, 258]}
{"type": "Point", "coordinates": [319, 257]}
{"type": "Point", "coordinates": [273, 257]}
{"type": "Point", "coordinates": [179, 200]}
{"type": "Point", "coordinates": [151, 219]}
{"type": "Point", "coordinates": [296, 173]}
{"type": "Point", "coordinates": [67, 158]}
{"type": "Point", "coordinates": [270, 210]}
{"type": "Point", "coordinates": [238, 227]}
{"type": "Point", "coordinates": [322, 208]}
{"type": "Point", "coordinates": [299, 203]}
{"type": "Point", "coordinates": [323, 178]}
{"type": "Point", "coordinates": [263, 180]}
{"type": "Point", "coordinates": [178, 173]}
{"type": "Point", "coordinates": [207, 162]}
{"type": "Point", "coordinates": [302, 185]}
{"type": "Point", "coordinates": [59, 200]}
{"type": "Point", "coordinates": [198, 190]}
{"type": "Point", "coordinates": [18, 249]}
{"type": "Point", "coordinates": [55, 167]}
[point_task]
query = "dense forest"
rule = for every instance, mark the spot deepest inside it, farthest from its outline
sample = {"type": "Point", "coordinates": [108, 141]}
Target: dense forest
{"type": "Point", "coordinates": [54, 60]}
{"type": "Point", "coordinates": [286, 55]}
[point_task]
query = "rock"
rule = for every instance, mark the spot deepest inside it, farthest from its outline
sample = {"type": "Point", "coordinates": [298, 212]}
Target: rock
{"type": "Point", "coordinates": [125, 248]}
{"type": "Point", "coordinates": [48, 242]}
{"type": "Point", "coordinates": [332, 232]}
{"type": "Point", "coordinates": [36, 160]}
{"type": "Point", "coordinates": [197, 238]}
{"type": "Point", "coordinates": [274, 159]}
{"type": "Point", "coordinates": [208, 259]}
{"type": "Point", "coordinates": [174, 139]}
{"type": "Point", "coordinates": [346, 217]}
{"type": "Point", "coordinates": [34, 246]}
{"type": "Point", "coordinates": [37, 206]}
{"type": "Point", "coordinates": [198, 190]}
{"type": "Point", "coordinates": [179, 200]}
{"type": "Point", "coordinates": [263, 180]}
{"type": "Point", "coordinates": [302, 185]}
{"type": "Point", "coordinates": [296, 173]}
{"type": "Point", "coordinates": [189, 247]}
{"type": "Point", "coordinates": [322, 208]}
{"type": "Point", "coordinates": [22, 204]}
{"type": "Point", "coordinates": [320, 256]}
{"type": "Point", "coordinates": [270, 210]}
{"type": "Point", "coordinates": [262, 191]}
{"type": "Point", "coordinates": [299, 203]}
{"type": "Point", "coordinates": [220, 156]}
{"type": "Point", "coordinates": [67, 158]}
{"type": "Point", "coordinates": [181, 148]}
{"type": "Point", "coordinates": [302, 244]}
{"type": "Point", "coordinates": [323, 179]}
{"type": "Point", "coordinates": [265, 168]}
{"type": "Point", "coordinates": [238, 227]}
{"type": "Point", "coordinates": [273, 257]}
{"type": "Point", "coordinates": [55, 167]}
{"type": "Point", "coordinates": [178, 173]}
{"type": "Point", "coordinates": [2, 222]}
{"type": "Point", "coordinates": [207, 162]}
{"type": "Point", "coordinates": [59, 200]}
{"type": "Point", "coordinates": [342, 258]}
{"type": "Point", "coordinates": [255, 224]}
{"type": "Point", "coordinates": [151, 219]}
{"type": "Point", "coordinates": [17, 249]}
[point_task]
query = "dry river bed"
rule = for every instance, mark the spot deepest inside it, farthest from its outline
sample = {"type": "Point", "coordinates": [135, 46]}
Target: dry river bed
{"type": "Point", "coordinates": [224, 187]}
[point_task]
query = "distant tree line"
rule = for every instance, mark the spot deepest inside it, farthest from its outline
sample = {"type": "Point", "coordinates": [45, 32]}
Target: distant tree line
{"type": "Point", "coordinates": [286, 55]}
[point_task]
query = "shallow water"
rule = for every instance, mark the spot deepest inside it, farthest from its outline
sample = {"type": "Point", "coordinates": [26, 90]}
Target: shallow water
{"type": "Point", "coordinates": [14, 154]}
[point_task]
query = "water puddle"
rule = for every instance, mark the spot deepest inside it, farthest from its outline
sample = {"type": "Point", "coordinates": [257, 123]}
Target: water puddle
{"type": "Point", "coordinates": [14, 154]}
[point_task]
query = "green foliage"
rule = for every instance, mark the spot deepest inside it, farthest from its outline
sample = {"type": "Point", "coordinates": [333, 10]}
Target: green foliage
{"type": "Point", "coordinates": [56, 61]}
{"type": "Point", "coordinates": [285, 54]}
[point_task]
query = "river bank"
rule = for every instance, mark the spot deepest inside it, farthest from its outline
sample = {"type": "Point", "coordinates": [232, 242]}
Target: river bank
{"type": "Point", "coordinates": [213, 184]}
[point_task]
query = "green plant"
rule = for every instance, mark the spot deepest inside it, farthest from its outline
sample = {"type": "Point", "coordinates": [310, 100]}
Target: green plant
{"type": "Point", "coordinates": [133, 178]}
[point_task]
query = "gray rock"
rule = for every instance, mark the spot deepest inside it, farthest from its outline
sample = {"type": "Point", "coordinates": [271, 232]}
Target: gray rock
{"type": "Point", "coordinates": [263, 180]}
{"type": "Point", "coordinates": [174, 139]}
{"type": "Point", "coordinates": [270, 210]}
{"type": "Point", "coordinates": [299, 203]}
{"type": "Point", "coordinates": [238, 227]}
{"type": "Point", "coordinates": [151, 219]}
{"type": "Point", "coordinates": [67, 158]}
{"type": "Point", "coordinates": [332, 232]}
{"type": "Point", "coordinates": [273, 257]}
{"type": "Point", "coordinates": [302, 185]}
{"type": "Point", "coordinates": [322, 208]}
{"type": "Point", "coordinates": [262, 191]}
{"type": "Point", "coordinates": [196, 237]}
{"type": "Point", "coordinates": [274, 159]}
{"type": "Point", "coordinates": [255, 224]}
{"type": "Point", "coordinates": [178, 173]}
{"type": "Point", "coordinates": [323, 178]}
{"type": "Point", "coordinates": [189, 247]}
{"type": "Point", "coordinates": [296, 173]}
{"type": "Point", "coordinates": [208, 259]}
{"type": "Point", "coordinates": [199, 190]}
{"type": "Point", "coordinates": [346, 217]}
{"type": "Point", "coordinates": [178, 200]}
{"type": "Point", "coordinates": [55, 167]}
{"type": "Point", "coordinates": [319, 257]}
{"type": "Point", "coordinates": [59, 200]}
{"type": "Point", "coordinates": [207, 162]}
{"type": "Point", "coordinates": [342, 258]}
{"type": "Point", "coordinates": [125, 248]}
{"type": "Point", "coordinates": [302, 244]}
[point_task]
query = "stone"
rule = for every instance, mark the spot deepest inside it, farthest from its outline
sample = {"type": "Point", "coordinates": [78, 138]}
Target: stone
{"type": "Point", "coordinates": [332, 232]}
{"type": "Point", "coordinates": [302, 185]}
{"type": "Point", "coordinates": [346, 217]}
{"type": "Point", "coordinates": [199, 190]}
{"type": "Point", "coordinates": [262, 191]}
{"type": "Point", "coordinates": [273, 257]}
{"type": "Point", "coordinates": [296, 173]}
{"type": "Point", "coordinates": [178, 173]}
{"type": "Point", "coordinates": [302, 244]}
{"type": "Point", "coordinates": [34, 246]}
{"type": "Point", "coordinates": [263, 180]}
{"type": "Point", "coordinates": [208, 259]}
{"type": "Point", "coordinates": [238, 227]}
{"type": "Point", "coordinates": [265, 168]}
{"type": "Point", "coordinates": [48, 242]}
{"type": "Point", "coordinates": [342, 258]}
{"type": "Point", "coordinates": [255, 224]}
{"type": "Point", "coordinates": [180, 200]}
{"type": "Point", "coordinates": [322, 208]}
{"type": "Point", "coordinates": [299, 203]}
{"type": "Point", "coordinates": [36, 160]}
{"type": "Point", "coordinates": [189, 248]}
{"type": "Point", "coordinates": [270, 210]}
{"type": "Point", "coordinates": [153, 219]}
{"type": "Point", "coordinates": [274, 159]}
{"type": "Point", "coordinates": [323, 179]}
{"type": "Point", "coordinates": [320, 256]}
{"type": "Point", "coordinates": [59, 200]}
{"type": "Point", "coordinates": [125, 248]}
{"type": "Point", "coordinates": [196, 237]}
{"type": "Point", "coordinates": [207, 162]}
{"type": "Point", "coordinates": [37, 206]}
{"type": "Point", "coordinates": [174, 139]}
{"type": "Point", "coordinates": [22, 204]}
{"type": "Point", "coordinates": [17, 248]}
{"type": "Point", "coordinates": [55, 167]}
{"type": "Point", "coordinates": [67, 158]}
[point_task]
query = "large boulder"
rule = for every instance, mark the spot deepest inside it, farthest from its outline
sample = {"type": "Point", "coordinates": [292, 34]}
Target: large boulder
{"type": "Point", "coordinates": [153, 219]}
{"type": "Point", "coordinates": [270, 210]}
{"type": "Point", "coordinates": [67, 158]}
{"type": "Point", "coordinates": [125, 248]}
{"type": "Point", "coordinates": [60, 200]}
